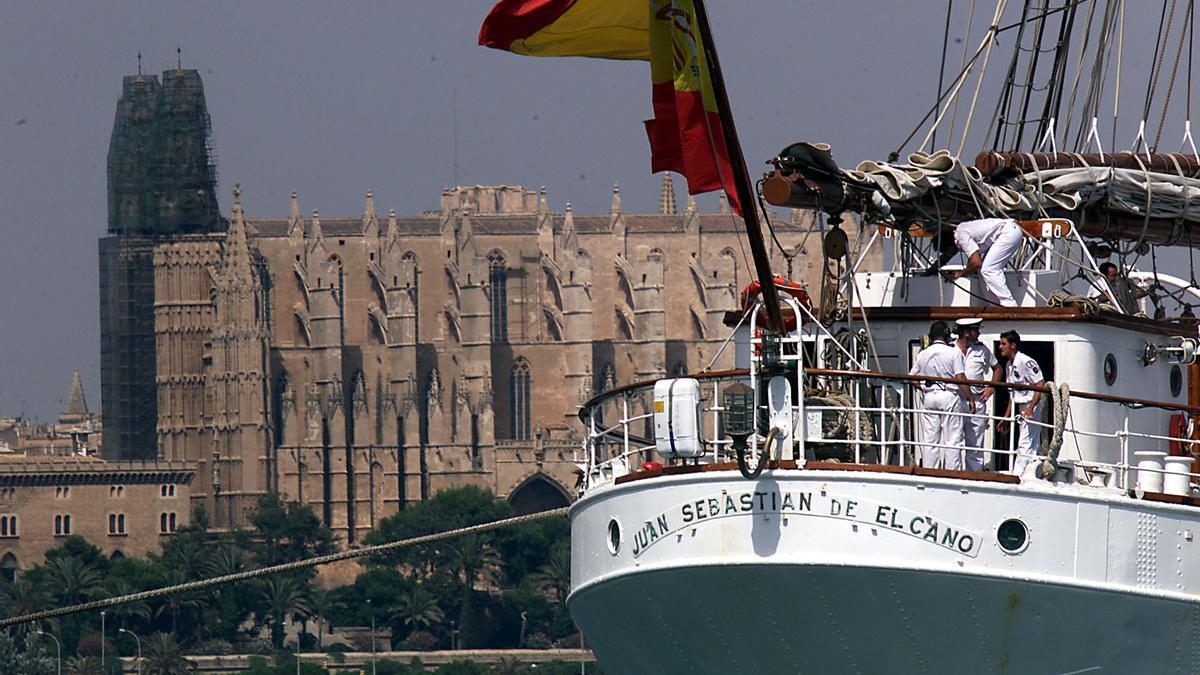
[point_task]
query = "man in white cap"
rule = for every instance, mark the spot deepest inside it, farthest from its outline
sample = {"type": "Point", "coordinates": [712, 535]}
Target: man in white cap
{"type": "Point", "coordinates": [988, 244]}
{"type": "Point", "coordinates": [980, 364]}
{"type": "Point", "coordinates": [1022, 369]}
{"type": "Point", "coordinates": [941, 425]}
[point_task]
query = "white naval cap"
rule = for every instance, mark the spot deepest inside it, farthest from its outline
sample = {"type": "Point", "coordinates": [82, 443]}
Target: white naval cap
{"type": "Point", "coordinates": [964, 324]}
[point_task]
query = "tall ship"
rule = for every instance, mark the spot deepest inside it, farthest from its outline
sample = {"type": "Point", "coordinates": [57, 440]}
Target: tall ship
{"type": "Point", "coordinates": [837, 504]}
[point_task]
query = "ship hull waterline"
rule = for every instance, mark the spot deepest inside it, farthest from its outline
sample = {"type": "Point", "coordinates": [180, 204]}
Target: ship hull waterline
{"type": "Point", "coordinates": [789, 587]}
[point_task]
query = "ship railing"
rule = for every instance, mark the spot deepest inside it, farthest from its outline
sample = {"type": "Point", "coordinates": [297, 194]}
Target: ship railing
{"type": "Point", "coordinates": [876, 419]}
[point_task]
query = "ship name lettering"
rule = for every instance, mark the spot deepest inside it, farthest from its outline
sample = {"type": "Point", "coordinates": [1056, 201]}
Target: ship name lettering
{"type": "Point", "coordinates": [886, 515]}
{"type": "Point", "coordinates": [650, 532]}
{"type": "Point", "coordinates": [923, 527]}
{"type": "Point", "coordinates": [837, 508]}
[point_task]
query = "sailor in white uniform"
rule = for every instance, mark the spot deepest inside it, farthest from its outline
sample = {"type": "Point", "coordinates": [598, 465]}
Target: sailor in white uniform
{"type": "Point", "coordinates": [981, 364]}
{"type": "Point", "coordinates": [942, 430]}
{"type": "Point", "coordinates": [988, 244]}
{"type": "Point", "coordinates": [1022, 369]}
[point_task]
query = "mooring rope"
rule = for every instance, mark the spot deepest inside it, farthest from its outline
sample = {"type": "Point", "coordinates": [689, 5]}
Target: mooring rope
{"type": "Point", "coordinates": [201, 584]}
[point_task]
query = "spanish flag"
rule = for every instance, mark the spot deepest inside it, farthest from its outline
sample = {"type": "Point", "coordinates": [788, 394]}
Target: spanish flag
{"type": "Point", "coordinates": [686, 134]}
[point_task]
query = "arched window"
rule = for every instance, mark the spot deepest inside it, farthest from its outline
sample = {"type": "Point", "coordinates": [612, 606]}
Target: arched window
{"type": "Point", "coordinates": [498, 282]}
{"type": "Point", "coordinates": [8, 567]}
{"type": "Point", "coordinates": [519, 400]}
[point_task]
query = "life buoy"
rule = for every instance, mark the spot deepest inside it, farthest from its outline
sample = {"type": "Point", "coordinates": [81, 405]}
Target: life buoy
{"type": "Point", "coordinates": [753, 289]}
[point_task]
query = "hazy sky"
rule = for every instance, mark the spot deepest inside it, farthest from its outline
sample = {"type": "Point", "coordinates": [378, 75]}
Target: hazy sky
{"type": "Point", "coordinates": [332, 99]}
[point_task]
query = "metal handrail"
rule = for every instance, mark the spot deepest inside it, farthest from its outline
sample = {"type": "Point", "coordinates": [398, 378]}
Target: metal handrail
{"type": "Point", "coordinates": [897, 415]}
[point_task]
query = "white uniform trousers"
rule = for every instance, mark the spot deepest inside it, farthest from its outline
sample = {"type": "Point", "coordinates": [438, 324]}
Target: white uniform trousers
{"type": "Point", "coordinates": [1029, 443]}
{"type": "Point", "coordinates": [992, 271]}
{"type": "Point", "coordinates": [942, 434]}
{"type": "Point", "coordinates": [974, 431]}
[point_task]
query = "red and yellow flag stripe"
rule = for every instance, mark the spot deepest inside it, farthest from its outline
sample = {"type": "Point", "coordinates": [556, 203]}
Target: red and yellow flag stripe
{"type": "Point", "coordinates": [686, 135]}
{"type": "Point", "coordinates": [608, 29]}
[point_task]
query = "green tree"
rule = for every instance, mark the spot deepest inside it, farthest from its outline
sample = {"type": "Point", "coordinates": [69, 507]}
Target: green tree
{"type": "Point", "coordinates": [288, 531]}
{"type": "Point", "coordinates": [83, 665]}
{"type": "Point", "coordinates": [446, 510]}
{"type": "Point", "coordinates": [473, 559]}
{"type": "Point", "coordinates": [231, 604]}
{"type": "Point", "coordinates": [71, 581]}
{"type": "Point", "coordinates": [417, 610]}
{"type": "Point", "coordinates": [320, 603]}
{"type": "Point", "coordinates": [22, 596]}
{"type": "Point", "coordinates": [24, 655]}
{"type": "Point", "coordinates": [164, 656]}
{"type": "Point", "coordinates": [186, 603]}
{"type": "Point", "coordinates": [554, 577]}
{"type": "Point", "coordinates": [281, 596]}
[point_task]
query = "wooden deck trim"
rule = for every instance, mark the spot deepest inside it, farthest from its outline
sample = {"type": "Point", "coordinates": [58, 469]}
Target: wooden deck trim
{"type": "Point", "coordinates": [1165, 498]}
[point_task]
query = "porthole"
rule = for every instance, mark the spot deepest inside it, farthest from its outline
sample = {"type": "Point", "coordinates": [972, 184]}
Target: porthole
{"type": "Point", "coordinates": [1013, 536]}
{"type": "Point", "coordinates": [614, 536]}
{"type": "Point", "coordinates": [1110, 369]}
{"type": "Point", "coordinates": [1176, 379]}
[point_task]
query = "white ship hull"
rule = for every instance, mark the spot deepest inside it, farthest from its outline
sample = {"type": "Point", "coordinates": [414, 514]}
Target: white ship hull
{"type": "Point", "coordinates": [794, 584]}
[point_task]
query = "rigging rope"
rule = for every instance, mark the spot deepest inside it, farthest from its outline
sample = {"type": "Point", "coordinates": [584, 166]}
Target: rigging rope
{"type": "Point", "coordinates": [201, 584]}
{"type": "Point", "coordinates": [1174, 71]}
{"type": "Point", "coordinates": [942, 66]}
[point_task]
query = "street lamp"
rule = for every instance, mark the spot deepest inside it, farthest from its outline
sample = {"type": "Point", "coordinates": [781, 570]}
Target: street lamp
{"type": "Point", "coordinates": [57, 647]}
{"type": "Point", "coordinates": [371, 610]}
{"type": "Point", "coordinates": [103, 637]}
{"type": "Point", "coordinates": [299, 635]}
{"type": "Point", "coordinates": [139, 647]}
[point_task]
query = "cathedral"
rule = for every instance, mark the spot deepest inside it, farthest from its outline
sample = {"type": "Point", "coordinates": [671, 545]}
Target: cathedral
{"type": "Point", "coordinates": [360, 364]}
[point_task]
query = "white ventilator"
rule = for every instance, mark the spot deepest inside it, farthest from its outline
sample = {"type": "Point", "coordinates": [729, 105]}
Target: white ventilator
{"type": "Point", "coordinates": [677, 418]}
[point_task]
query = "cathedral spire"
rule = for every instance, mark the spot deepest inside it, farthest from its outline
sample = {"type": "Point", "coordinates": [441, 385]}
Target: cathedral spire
{"type": "Point", "coordinates": [76, 409]}
{"type": "Point", "coordinates": [393, 230]}
{"type": "Point", "coordinates": [723, 205]}
{"type": "Point", "coordinates": [542, 206]}
{"type": "Point", "coordinates": [370, 221]}
{"type": "Point", "coordinates": [295, 220]}
{"type": "Point", "coordinates": [237, 245]}
{"type": "Point", "coordinates": [315, 231]}
{"type": "Point", "coordinates": [616, 199]}
{"type": "Point", "coordinates": [691, 203]}
{"type": "Point", "coordinates": [666, 200]}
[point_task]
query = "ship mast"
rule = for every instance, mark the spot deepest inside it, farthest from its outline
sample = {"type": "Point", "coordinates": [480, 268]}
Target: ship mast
{"type": "Point", "coordinates": [745, 192]}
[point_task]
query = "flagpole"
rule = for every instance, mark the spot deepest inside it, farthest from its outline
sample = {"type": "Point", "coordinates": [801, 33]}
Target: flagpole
{"type": "Point", "coordinates": [741, 176]}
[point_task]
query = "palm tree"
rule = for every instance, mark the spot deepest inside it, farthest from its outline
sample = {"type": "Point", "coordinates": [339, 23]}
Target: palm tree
{"type": "Point", "coordinates": [418, 610]}
{"type": "Point", "coordinates": [123, 614]}
{"type": "Point", "coordinates": [555, 576]}
{"type": "Point", "coordinates": [175, 603]}
{"type": "Point", "coordinates": [20, 597]}
{"type": "Point", "coordinates": [71, 581]}
{"type": "Point", "coordinates": [474, 559]}
{"type": "Point", "coordinates": [163, 656]}
{"type": "Point", "coordinates": [283, 596]}
{"type": "Point", "coordinates": [188, 555]}
{"type": "Point", "coordinates": [84, 665]}
{"type": "Point", "coordinates": [320, 603]}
